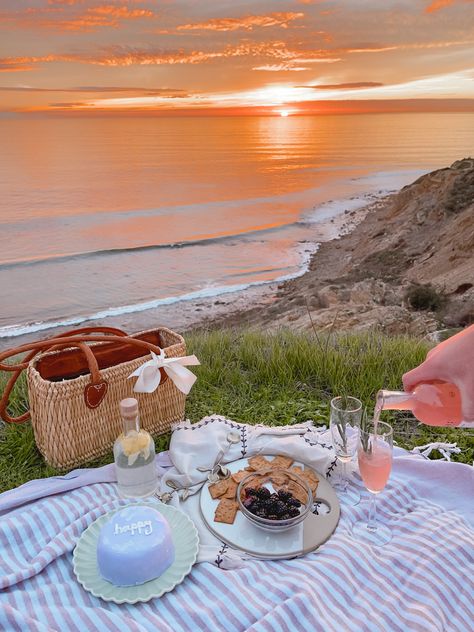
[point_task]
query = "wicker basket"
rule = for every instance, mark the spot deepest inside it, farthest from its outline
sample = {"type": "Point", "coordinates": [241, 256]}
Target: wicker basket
{"type": "Point", "coordinates": [68, 430]}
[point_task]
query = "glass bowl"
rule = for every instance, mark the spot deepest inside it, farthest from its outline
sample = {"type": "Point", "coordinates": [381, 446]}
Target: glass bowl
{"type": "Point", "coordinates": [273, 481]}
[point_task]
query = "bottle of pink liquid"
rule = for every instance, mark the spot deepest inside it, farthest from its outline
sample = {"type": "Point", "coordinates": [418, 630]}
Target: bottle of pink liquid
{"type": "Point", "coordinates": [434, 403]}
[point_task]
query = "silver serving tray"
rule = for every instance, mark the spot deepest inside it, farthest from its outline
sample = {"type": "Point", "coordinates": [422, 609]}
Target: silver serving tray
{"type": "Point", "coordinates": [299, 540]}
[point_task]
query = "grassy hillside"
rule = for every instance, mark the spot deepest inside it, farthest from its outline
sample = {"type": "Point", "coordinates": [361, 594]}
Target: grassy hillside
{"type": "Point", "coordinates": [278, 379]}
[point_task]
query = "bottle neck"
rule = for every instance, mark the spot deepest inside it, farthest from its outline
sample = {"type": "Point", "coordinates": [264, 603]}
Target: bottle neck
{"type": "Point", "coordinates": [131, 424]}
{"type": "Point", "coordinates": [394, 400]}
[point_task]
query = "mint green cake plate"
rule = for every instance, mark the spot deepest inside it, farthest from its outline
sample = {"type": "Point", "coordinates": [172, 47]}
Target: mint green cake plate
{"type": "Point", "coordinates": [186, 543]}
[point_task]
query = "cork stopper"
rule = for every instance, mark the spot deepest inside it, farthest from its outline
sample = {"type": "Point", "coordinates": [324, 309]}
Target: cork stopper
{"type": "Point", "coordinates": [129, 407]}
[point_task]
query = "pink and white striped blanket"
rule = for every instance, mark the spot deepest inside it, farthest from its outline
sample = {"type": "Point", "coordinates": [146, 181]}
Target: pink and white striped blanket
{"type": "Point", "coordinates": [422, 580]}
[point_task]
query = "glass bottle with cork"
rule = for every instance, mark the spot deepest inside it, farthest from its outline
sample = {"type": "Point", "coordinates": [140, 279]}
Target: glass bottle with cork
{"type": "Point", "coordinates": [134, 454]}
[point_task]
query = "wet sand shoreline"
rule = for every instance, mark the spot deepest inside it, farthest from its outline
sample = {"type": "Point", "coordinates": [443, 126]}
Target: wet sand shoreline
{"type": "Point", "coordinates": [226, 309]}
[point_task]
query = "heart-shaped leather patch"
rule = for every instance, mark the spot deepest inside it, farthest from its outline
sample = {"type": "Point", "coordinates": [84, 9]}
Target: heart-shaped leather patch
{"type": "Point", "coordinates": [95, 393]}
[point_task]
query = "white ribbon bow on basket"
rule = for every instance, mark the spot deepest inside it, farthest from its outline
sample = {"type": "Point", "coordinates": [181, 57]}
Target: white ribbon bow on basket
{"type": "Point", "coordinates": [149, 375]}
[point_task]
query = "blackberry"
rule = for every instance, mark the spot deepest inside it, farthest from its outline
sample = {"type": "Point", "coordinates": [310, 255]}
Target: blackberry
{"type": "Point", "coordinates": [293, 512]}
{"type": "Point", "coordinates": [285, 516]}
{"type": "Point", "coordinates": [274, 496]}
{"type": "Point", "coordinates": [285, 496]}
{"type": "Point", "coordinates": [248, 502]}
{"type": "Point", "coordinates": [280, 507]}
{"type": "Point", "coordinates": [261, 513]}
{"type": "Point", "coordinates": [271, 506]}
{"type": "Point", "coordinates": [272, 517]}
{"type": "Point", "coordinates": [250, 491]}
{"type": "Point", "coordinates": [294, 502]}
{"type": "Point", "coordinates": [263, 493]}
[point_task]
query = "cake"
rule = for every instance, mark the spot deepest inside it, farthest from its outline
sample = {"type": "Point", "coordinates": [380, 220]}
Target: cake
{"type": "Point", "coordinates": [134, 546]}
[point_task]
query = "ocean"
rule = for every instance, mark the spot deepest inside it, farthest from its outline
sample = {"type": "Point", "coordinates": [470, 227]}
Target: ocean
{"type": "Point", "coordinates": [103, 216]}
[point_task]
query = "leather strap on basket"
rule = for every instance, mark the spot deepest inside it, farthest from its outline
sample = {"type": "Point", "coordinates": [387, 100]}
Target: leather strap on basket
{"type": "Point", "coordinates": [95, 391]}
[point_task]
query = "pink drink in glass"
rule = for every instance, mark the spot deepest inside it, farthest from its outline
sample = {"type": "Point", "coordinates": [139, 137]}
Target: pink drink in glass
{"type": "Point", "coordinates": [375, 466]}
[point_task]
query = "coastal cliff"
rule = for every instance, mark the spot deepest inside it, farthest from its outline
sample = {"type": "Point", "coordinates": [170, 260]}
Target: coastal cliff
{"type": "Point", "coordinates": [407, 267]}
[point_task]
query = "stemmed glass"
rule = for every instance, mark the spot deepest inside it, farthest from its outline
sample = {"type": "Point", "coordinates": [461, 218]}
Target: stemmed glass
{"type": "Point", "coordinates": [344, 422]}
{"type": "Point", "coordinates": [375, 463]}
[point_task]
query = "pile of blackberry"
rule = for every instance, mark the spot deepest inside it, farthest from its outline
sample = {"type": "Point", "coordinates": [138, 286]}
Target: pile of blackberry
{"type": "Point", "coordinates": [279, 505]}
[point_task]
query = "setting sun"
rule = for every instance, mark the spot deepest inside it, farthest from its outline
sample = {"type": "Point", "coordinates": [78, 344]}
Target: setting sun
{"type": "Point", "coordinates": [284, 112]}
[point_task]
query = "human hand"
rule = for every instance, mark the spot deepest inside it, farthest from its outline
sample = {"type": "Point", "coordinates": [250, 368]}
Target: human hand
{"type": "Point", "coordinates": [450, 361]}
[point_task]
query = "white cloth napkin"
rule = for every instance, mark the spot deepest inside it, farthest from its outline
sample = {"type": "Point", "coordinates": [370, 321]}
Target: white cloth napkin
{"type": "Point", "coordinates": [198, 445]}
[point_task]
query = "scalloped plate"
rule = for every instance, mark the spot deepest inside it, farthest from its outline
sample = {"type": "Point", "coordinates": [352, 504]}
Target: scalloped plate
{"type": "Point", "coordinates": [186, 543]}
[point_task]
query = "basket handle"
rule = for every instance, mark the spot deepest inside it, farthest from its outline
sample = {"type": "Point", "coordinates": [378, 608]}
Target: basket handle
{"type": "Point", "coordinates": [17, 372]}
{"type": "Point", "coordinates": [94, 392]}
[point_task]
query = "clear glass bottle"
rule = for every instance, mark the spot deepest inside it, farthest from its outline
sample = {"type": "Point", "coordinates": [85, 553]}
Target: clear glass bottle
{"type": "Point", "coordinates": [434, 403]}
{"type": "Point", "coordinates": [134, 454]}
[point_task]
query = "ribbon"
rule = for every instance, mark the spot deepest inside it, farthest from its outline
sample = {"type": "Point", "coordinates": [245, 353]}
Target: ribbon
{"type": "Point", "coordinates": [149, 376]}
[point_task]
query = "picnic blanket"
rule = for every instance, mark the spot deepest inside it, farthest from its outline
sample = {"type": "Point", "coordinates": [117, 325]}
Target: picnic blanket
{"type": "Point", "coordinates": [421, 580]}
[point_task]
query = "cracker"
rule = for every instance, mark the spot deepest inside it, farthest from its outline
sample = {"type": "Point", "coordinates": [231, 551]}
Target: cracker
{"type": "Point", "coordinates": [226, 511]}
{"type": "Point", "coordinates": [311, 478]}
{"type": "Point", "coordinates": [279, 478]}
{"type": "Point", "coordinates": [298, 492]}
{"type": "Point", "coordinates": [218, 489]}
{"type": "Point", "coordinates": [296, 469]}
{"type": "Point", "coordinates": [307, 474]}
{"type": "Point", "coordinates": [238, 476]}
{"type": "Point", "coordinates": [281, 462]}
{"type": "Point", "coordinates": [259, 462]}
{"type": "Point", "coordinates": [231, 491]}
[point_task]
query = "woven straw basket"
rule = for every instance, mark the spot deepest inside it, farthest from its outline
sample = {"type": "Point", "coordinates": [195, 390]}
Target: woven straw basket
{"type": "Point", "coordinates": [69, 427]}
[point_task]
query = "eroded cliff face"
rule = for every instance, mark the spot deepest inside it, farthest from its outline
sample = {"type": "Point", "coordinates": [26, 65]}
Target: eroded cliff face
{"type": "Point", "coordinates": [429, 225]}
{"type": "Point", "coordinates": [422, 235]}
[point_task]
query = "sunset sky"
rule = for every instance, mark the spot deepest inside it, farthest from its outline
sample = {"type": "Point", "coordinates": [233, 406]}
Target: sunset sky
{"type": "Point", "coordinates": [199, 56]}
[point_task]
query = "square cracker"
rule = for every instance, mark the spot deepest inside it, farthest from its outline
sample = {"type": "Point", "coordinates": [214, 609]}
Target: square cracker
{"type": "Point", "coordinates": [219, 489]}
{"type": "Point", "coordinates": [226, 511]}
{"type": "Point", "coordinates": [238, 476]}
{"type": "Point", "coordinates": [279, 478]}
{"type": "Point", "coordinates": [231, 491]}
{"type": "Point", "coordinates": [298, 492]}
{"type": "Point", "coordinates": [311, 478]}
{"type": "Point", "coordinates": [296, 469]}
{"type": "Point", "coordinates": [307, 474]}
{"type": "Point", "coordinates": [282, 462]}
{"type": "Point", "coordinates": [259, 462]}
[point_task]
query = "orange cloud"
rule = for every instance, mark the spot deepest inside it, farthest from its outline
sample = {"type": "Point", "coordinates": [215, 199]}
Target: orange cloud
{"type": "Point", "coordinates": [129, 56]}
{"type": "Point", "coordinates": [247, 22]}
{"type": "Point", "coordinates": [165, 93]}
{"type": "Point", "coordinates": [20, 64]}
{"type": "Point", "coordinates": [13, 67]}
{"type": "Point", "coordinates": [281, 57]}
{"type": "Point", "coordinates": [54, 16]}
{"type": "Point", "coordinates": [437, 5]}
{"type": "Point", "coordinates": [379, 48]}
{"type": "Point", "coordinates": [347, 86]}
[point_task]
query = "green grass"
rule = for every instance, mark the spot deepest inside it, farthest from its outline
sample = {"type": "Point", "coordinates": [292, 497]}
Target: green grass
{"type": "Point", "coordinates": [278, 379]}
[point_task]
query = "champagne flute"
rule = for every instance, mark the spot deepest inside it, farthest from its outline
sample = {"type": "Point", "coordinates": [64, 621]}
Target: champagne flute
{"type": "Point", "coordinates": [344, 423]}
{"type": "Point", "coordinates": [375, 463]}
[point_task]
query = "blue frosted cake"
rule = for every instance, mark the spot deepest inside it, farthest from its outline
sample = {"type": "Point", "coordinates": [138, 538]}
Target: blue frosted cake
{"type": "Point", "coordinates": [135, 546]}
